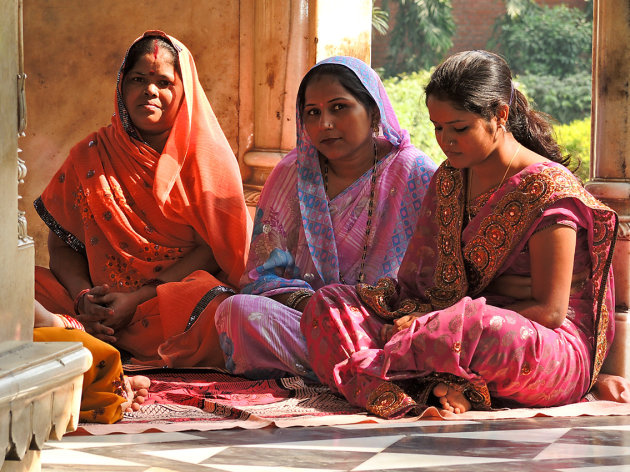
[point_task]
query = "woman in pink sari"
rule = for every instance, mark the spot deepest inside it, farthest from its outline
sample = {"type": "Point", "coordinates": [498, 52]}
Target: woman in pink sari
{"type": "Point", "coordinates": [504, 297]}
{"type": "Point", "coordinates": [340, 207]}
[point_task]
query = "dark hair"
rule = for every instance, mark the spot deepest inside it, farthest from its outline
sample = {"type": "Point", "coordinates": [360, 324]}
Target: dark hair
{"type": "Point", "coordinates": [348, 80]}
{"type": "Point", "coordinates": [146, 45]}
{"type": "Point", "coordinates": [480, 82]}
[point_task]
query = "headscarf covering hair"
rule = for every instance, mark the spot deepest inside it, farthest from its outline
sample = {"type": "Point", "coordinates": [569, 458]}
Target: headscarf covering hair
{"type": "Point", "coordinates": [227, 226]}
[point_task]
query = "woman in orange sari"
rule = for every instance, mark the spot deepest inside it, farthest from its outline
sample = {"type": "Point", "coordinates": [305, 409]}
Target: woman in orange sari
{"type": "Point", "coordinates": [149, 230]}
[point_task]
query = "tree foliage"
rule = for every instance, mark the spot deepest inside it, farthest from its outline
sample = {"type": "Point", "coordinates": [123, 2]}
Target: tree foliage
{"type": "Point", "coordinates": [406, 92]}
{"type": "Point", "coordinates": [421, 36]}
{"type": "Point", "coordinates": [539, 40]}
{"type": "Point", "coordinates": [549, 49]}
{"type": "Point", "coordinates": [565, 100]}
{"type": "Point", "coordinates": [380, 19]}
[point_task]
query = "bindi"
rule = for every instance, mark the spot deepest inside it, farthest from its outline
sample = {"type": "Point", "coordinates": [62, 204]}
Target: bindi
{"type": "Point", "coordinates": [156, 49]}
{"type": "Point", "coordinates": [316, 105]}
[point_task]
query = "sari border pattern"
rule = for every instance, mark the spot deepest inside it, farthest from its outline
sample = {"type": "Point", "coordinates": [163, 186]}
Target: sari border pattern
{"type": "Point", "coordinates": [389, 401]}
{"type": "Point", "coordinates": [205, 301]}
{"type": "Point", "coordinates": [66, 236]}
{"type": "Point", "coordinates": [450, 281]}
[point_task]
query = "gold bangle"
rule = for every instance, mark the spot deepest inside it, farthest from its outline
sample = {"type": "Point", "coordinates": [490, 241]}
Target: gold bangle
{"type": "Point", "coordinates": [296, 297]}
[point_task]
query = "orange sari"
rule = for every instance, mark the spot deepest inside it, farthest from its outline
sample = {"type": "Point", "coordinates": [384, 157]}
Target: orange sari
{"type": "Point", "coordinates": [103, 389]}
{"type": "Point", "coordinates": [133, 213]}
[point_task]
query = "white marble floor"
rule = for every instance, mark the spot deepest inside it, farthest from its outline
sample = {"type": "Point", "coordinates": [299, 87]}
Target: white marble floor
{"type": "Point", "coordinates": [582, 444]}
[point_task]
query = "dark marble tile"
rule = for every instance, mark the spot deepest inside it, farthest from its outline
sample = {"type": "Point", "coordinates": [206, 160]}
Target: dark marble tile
{"type": "Point", "coordinates": [278, 457]}
{"type": "Point", "coordinates": [608, 437]}
{"type": "Point", "coordinates": [619, 463]}
{"type": "Point", "coordinates": [448, 446]}
{"type": "Point", "coordinates": [274, 435]}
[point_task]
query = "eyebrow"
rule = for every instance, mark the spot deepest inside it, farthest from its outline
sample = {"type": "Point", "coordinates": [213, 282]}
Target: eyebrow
{"type": "Point", "coordinates": [448, 122]}
{"type": "Point", "coordinates": [329, 101]}
{"type": "Point", "coordinates": [143, 74]}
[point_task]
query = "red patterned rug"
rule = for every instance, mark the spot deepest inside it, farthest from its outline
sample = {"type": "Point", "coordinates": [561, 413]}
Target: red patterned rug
{"type": "Point", "coordinates": [208, 399]}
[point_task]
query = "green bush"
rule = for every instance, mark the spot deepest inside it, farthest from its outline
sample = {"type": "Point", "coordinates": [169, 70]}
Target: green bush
{"type": "Point", "coordinates": [575, 139]}
{"type": "Point", "coordinates": [565, 100]}
{"type": "Point", "coordinates": [406, 93]}
{"type": "Point", "coordinates": [540, 40]}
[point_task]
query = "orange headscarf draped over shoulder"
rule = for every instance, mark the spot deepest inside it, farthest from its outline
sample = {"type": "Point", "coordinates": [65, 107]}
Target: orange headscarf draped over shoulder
{"type": "Point", "coordinates": [197, 165]}
{"type": "Point", "coordinates": [134, 211]}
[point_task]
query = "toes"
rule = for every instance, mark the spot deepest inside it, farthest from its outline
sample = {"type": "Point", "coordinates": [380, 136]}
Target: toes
{"type": "Point", "coordinates": [140, 382]}
{"type": "Point", "coordinates": [440, 390]}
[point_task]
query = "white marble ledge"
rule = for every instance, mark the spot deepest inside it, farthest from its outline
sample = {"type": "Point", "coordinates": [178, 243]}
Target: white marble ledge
{"type": "Point", "coordinates": [40, 396]}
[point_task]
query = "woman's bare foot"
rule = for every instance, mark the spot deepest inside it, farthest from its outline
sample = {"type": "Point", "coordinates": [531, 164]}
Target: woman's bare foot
{"type": "Point", "coordinates": [137, 387]}
{"type": "Point", "coordinates": [451, 399]}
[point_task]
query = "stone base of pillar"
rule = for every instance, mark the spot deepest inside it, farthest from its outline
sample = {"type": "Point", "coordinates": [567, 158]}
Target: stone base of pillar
{"type": "Point", "coordinates": [30, 463]}
{"type": "Point", "coordinates": [40, 398]}
{"type": "Point", "coordinates": [261, 164]}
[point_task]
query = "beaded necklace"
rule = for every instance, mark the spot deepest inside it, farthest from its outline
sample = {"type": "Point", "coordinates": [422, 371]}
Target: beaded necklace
{"type": "Point", "coordinates": [368, 224]}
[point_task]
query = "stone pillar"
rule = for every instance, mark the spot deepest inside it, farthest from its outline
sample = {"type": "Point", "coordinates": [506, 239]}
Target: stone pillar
{"type": "Point", "coordinates": [274, 56]}
{"type": "Point", "coordinates": [280, 41]}
{"type": "Point", "coordinates": [610, 160]}
{"type": "Point", "coordinates": [40, 383]}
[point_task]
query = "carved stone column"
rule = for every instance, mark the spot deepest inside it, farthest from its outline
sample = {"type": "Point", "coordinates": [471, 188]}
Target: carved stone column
{"type": "Point", "coordinates": [280, 41]}
{"type": "Point", "coordinates": [274, 51]}
{"type": "Point", "coordinates": [610, 159]}
{"type": "Point", "coordinates": [40, 383]}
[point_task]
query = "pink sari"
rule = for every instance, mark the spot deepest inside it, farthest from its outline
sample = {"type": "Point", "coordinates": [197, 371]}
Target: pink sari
{"type": "Point", "coordinates": [494, 355]}
{"type": "Point", "coordinates": [303, 241]}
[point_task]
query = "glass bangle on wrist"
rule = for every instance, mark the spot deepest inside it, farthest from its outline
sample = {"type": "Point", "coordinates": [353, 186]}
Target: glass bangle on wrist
{"type": "Point", "coordinates": [70, 322]}
{"type": "Point", "coordinates": [78, 299]}
{"type": "Point", "coordinates": [296, 297]}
